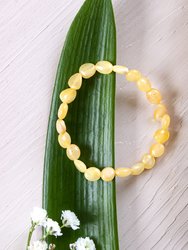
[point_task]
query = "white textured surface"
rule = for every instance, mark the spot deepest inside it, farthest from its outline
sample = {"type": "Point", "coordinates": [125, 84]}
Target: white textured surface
{"type": "Point", "coordinates": [152, 36]}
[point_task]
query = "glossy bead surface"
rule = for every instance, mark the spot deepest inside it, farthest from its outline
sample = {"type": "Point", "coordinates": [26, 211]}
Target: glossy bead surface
{"type": "Point", "coordinates": [154, 96]}
{"type": "Point", "coordinates": [60, 126]}
{"type": "Point", "coordinates": [62, 111]}
{"type": "Point", "coordinates": [80, 165]}
{"type": "Point", "coordinates": [161, 135]}
{"type": "Point", "coordinates": [92, 174]}
{"type": "Point", "coordinates": [133, 75]}
{"type": "Point", "coordinates": [144, 84]}
{"type": "Point", "coordinates": [159, 112]}
{"type": "Point", "coordinates": [64, 140]}
{"type": "Point", "coordinates": [123, 172]}
{"type": "Point", "coordinates": [87, 70]}
{"type": "Point", "coordinates": [157, 150]}
{"type": "Point", "coordinates": [73, 152]}
{"type": "Point", "coordinates": [148, 160]}
{"type": "Point", "coordinates": [75, 81]}
{"type": "Point", "coordinates": [107, 174]}
{"type": "Point", "coordinates": [137, 168]}
{"type": "Point", "coordinates": [120, 69]}
{"type": "Point", "coordinates": [165, 121]}
{"type": "Point", "coordinates": [68, 95]}
{"type": "Point", "coordinates": [104, 67]}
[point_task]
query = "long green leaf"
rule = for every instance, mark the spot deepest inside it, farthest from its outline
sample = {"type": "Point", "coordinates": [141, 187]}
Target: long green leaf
{"type": "Point", "coordinates": [90, 122]}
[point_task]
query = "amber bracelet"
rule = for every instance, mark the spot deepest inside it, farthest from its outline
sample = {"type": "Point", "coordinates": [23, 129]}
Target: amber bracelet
{"type": "Point", "coordinates": [154, 97]}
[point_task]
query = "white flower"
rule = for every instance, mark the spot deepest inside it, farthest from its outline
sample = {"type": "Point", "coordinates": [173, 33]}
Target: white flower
{"type": "Point", "coordinates": [83, 244]}
{"type": "Point", "coordinates": [38, 245]}
{"type": "Point", "coordinates": [52, 227]}
{"type": "Point", "coordinates": [69, 219]}
{"type": "Point", "coordinates": [38, 215]}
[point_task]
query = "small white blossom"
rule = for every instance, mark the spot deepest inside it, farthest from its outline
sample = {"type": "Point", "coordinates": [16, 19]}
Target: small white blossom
{"type": "Point", "coordinates": [83, 244]}
{"type": "Point", "coordinates": [38, 245]}
{"type": "Point", "coordinates": [69, 219]}
{"type": "Point", "coordinates": [38, 215]}
{"type": "Point", "coordinates": [52, 227]}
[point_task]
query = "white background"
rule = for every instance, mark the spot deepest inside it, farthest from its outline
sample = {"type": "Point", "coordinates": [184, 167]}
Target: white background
{"type": "Point", "coordinates": [152, 36]}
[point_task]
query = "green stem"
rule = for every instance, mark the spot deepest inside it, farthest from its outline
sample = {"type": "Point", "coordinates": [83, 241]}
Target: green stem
{"type": "Point", "coordinates": [30, 235]}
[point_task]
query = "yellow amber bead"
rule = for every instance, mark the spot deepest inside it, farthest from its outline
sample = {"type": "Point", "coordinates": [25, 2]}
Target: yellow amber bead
{"type": "Point", "coordinates": [64, 140]}
{"type": "Point", "coordinates": [107, 174]}
{"type": "Point", "coordinates": [60, 126]}
{"type": "Point", "coordinates": [148, 160]}
{"type": "Point", "coordinates": [159, 112]}
{"type": "Point", "coordinates": [62, 111]}
{"type": "Point", "coordinates": [137, 168]}
{"type": "Point", "coordinates": [104, 67]}
{"type": "Point", "coordinates": [68, 95]}
{"type": "Point", "coordinates": [165, 121]}
{"type": "Point", "coordinates": [157, 150]}
{"type": "Point", "coordinates": [75, 81]}
{"type": "Point", "coordinates": [80, 165]}
{"type": "Point", "coordinates": [144, 84]}
{"type": "Point", "coordinates": [133, 75]}
{"type": "Point", "coordinates": [162, 135]}
{"type": "Point", "coordinates": [73, 152]}
{"type": "Point", "coordinates": [87, 70]}
{"type": "Point", "coordinates": [154, 96]}
{"type": "Point", "coordinates": [92, 174]}
{"type": "Point", "coordinates": [120, 69]}
{"type": "Point", "coordinates": [123, 172]}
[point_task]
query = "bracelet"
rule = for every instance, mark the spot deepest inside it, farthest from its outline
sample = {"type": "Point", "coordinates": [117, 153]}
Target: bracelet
{"type": "Point", "coordinates": [154, 97]}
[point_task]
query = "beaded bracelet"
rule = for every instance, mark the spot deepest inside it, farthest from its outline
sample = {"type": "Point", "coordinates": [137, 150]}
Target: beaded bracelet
{"type": "Point", "coordinates": [154, 97]}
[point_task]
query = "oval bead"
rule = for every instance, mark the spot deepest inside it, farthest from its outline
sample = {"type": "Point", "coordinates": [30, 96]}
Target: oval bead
{"type": "Point", "coordinates": [75, 81]}
{"type": "Point", "coordinates": [165, 121]}
{"type": "Point", "coordinates": [162, 135]}
{"type": "Point", "coordinates": [60, 126]}
{"type": "Point", "coordinates": [144, 84]}
{"type": "Point", "coordinates": [154, 96]}
{"type": "Point", "coordinates": [62, 111]}
{"type": "Point", "coordinates": [92, 174]}
{"type": "Point", "coordinates": [120, 69]}
{"type": "Point", "coordinates": [123, 172]}
{"type": "Point", "coordinates": [148, 160]}
{"type": "Point", "coordinates": [73, 152]}
{"type": "Point", "coordinates": [133, 75]}
{"type": "Point", "coordinates": [64, 140]}
{"type": "Point", "coordinates": [157, 150]}
{"type": "Point", "coordinates": [104, 67]}
{"type": "Point", "coordinates": [87, 70]}
{"type": "Point", "coordinates": [80, 165]}
{"type": "Point", "coordinates": [159, 112]}
{"type": "Point", "coordinates": [107, 174]}
{"type": "Point", "coordinates": [137, 168]}
{"type": "Point", "coordinates": [68, 95]}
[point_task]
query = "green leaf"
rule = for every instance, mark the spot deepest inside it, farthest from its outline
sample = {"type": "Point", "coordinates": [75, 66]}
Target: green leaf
{"type": "Point", "coordinates": [90, 122]}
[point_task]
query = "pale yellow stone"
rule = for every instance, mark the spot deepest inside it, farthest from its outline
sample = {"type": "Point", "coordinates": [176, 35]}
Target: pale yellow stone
{"type": "Point", "coordinates": [144, 84]}
{"type": "Point", "coordinates": [165, 121]}
{"type": "Point", "coordinates": [87, 70]}
{"type": "Point", "coordinates": [92, 174]}
{"type": "Point", "coordinates": [68, 95]}
{"type": "Point", "coordinates": [62, 111]}
{"type": "Point", "coordinates": [157, 150]}
{"type": "Point", "coordinates": [154, 96]}
{"type": "Point", "coordinates": [60, 126]}
{"type": "Point", "coordinates": [80, 165]}
{"type": "Point", "coordinates": [75, 81]}
{"type": "Point", "coordinates": [107, 174]}
{"type": "Point", "coordinates": [137, 168]}
{"type": "Point", "coordinates": [64, 140]}
{"type": "Point", "coordinates": [104, 67]}
{"type": "Point", "coordinates": [123, 172]}
{"type": "Point", "coordinates": [148, 160]}
{"type": "Point", "coordinates": [161, 135]}
{"type": "Point", "coordinates": [133, 75]}
{"type": "Point", "coordinates": [159, 112]}
{"type": "Point", "coordinates": [73, 152]}
{"type": "Point", "coordinates": [120, 69]}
